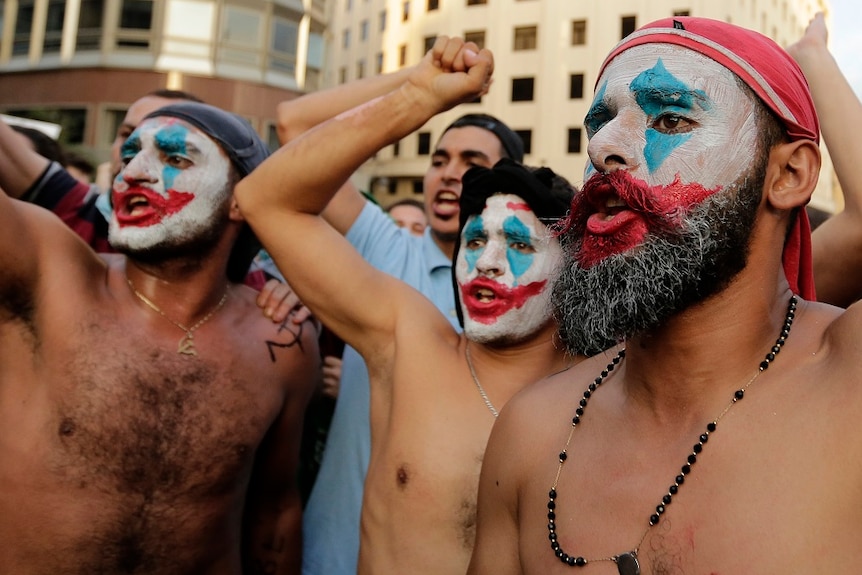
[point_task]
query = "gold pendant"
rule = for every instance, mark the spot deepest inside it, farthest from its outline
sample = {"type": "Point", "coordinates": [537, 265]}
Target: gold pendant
{"type": "Point", "coordinates": [187, 345]}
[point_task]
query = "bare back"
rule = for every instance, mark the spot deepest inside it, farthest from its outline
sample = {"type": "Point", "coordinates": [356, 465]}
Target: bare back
{"type": "Point", "coordinates": [117, 454]}
{"type": "Point", "coordinates": [774, 491]}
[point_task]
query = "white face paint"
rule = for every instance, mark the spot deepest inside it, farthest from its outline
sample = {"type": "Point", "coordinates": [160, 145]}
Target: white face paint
{"type": "Point", "coordinates": [663, 111]}
{"type": "Point", "coordinates": [505, 263]}
{"type": "Point", "coordinates": [172, 188]}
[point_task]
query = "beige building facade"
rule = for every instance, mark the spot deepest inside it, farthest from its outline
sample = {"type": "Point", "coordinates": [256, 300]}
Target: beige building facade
{"type": "Point", "coordinates": [547, 54]}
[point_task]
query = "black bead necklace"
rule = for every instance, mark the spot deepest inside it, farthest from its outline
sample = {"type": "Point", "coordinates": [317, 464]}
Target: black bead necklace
{"type": "Point", "coordinates": [627, 563]}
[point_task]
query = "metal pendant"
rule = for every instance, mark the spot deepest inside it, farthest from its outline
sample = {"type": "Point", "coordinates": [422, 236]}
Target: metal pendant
{"type": "Point", "coordinates": [187, 345]}
{"type": "Point", "coordinates": [627, 563]}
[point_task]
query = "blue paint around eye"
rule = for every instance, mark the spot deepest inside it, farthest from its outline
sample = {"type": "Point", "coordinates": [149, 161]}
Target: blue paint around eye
{"type": "Point", "coordinates": [598, 113]}
{"type": "Point", "coordinates": [171, 140]}
{"type": "Point", "coordinates": [516, 231]}
{"type": "Point", "coordinates": [131, 146]}
{"type": "Point", "coordinates": [658, 92]}
{"type": "Point", "coordinates": [473, 230]}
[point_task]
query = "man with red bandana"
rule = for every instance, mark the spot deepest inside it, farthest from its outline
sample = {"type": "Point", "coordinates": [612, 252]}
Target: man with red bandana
{"type": "Point", "coordinates": [150, 414]}
{"type": "Point", "coordinates": [718, 436]}
{"type": "Point", "coordinates": [434, 391]}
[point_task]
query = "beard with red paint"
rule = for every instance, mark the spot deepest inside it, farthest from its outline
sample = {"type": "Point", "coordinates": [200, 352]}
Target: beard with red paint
{"type": "Point", "coordinates": [615, 213]}
{"type": "Point", "coordinates": [675, 246]}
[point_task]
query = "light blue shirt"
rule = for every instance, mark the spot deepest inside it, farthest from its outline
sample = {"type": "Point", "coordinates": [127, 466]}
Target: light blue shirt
{"type": "Point", "coordinates": [330, 526]}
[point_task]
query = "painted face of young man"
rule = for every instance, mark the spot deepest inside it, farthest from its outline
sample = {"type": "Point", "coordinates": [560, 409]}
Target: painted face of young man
{"type": "Point", "coordinates": [676, 179]}
{"type": "Point", "coordinates": [458, 150]}
{"type": "Point", "coordinates": [503, 270]}
{"type": "Point", "coordinates": [173, 189]}
{"type": "Point", "coordinates": [674, 121]}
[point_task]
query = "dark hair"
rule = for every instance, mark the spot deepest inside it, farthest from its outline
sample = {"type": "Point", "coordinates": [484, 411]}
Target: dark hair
{"type": "Point", "coordinates": [512, 144]}
{"type": "Point", "coordinates": [78, 161]}
{"type": "Point", "coordinates": [174, 95]}
{"type": "Point", "coordinates": [406, 202]}
{"type": "Point", "coordinates": [45, 145]}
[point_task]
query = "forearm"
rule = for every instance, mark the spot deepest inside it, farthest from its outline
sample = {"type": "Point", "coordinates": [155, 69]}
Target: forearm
{"type": "Point", "coordinates": [299, 115]}
{"type": "Point", "coordinates": [20, 166]}
{"type": "Point", "coordinates": [273, 541]}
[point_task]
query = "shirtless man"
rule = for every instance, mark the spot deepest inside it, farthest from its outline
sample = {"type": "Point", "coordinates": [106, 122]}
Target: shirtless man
{"type": "Point", "coordinates": [430, 418]}
{"type": "Point", "coordinates": [149, 413]}
{"type": "Point", "coordinates": [693, 201]}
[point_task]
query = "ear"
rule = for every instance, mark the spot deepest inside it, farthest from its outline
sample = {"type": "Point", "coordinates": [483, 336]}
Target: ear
{"type": "Point", "coordinates": [234, 214]}
{"type": "Point", "coordinates": [794, 168]}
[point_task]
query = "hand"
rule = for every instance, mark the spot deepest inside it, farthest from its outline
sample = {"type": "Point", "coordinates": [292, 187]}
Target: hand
{"type": "Point", "coordinates": [451, 73]}
{"type": "Point", "coordinates": [278, 300]}
{"type": "Point", "coordinates": [815, 38]}
{"type": "Point", "coordinates": [331, 376]}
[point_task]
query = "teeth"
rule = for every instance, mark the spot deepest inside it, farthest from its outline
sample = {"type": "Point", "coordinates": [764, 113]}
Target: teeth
{"type": "Point", "coordinates": [614, 203]}
{"type": "Point", "coordinates": [484, 295]}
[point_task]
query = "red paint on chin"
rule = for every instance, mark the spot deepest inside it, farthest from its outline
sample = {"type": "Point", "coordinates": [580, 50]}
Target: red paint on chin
{"type": "Point", "coordinates": [158, 207]}
{"type": "Point", "coordinates": [504, 300]}
{"type": "Point", "coordinates": [609, 231]}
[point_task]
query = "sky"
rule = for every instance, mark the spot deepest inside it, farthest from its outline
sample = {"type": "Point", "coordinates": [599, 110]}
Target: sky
{"type": "Point", "coordinates": [846, 40]}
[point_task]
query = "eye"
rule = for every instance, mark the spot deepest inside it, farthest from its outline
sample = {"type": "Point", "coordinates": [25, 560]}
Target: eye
{"type": "Point", "coordinates": [178, 162]}
{"type": "Point", "coordinates": [522, 247]}
{"type": "Point", "coordinates": [672, 124]}
{"type": "Point", "coordinates": [475, 243]}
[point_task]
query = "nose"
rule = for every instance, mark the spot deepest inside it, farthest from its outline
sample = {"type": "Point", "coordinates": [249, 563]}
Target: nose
{"type": "Point", "coordinates": [453, 171]}
{"type": "Point", "coordinates": [492, 262]}
{"type": "Point", "coordinates": [140, 169]}
{"type": "Point", "coordinates": [615, 146]}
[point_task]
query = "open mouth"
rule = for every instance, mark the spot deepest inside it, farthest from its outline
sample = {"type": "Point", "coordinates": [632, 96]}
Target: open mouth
{"type": "Point", "coordinates": [446, 204]}
{"type": "Point", "coordinates": [143, 207]}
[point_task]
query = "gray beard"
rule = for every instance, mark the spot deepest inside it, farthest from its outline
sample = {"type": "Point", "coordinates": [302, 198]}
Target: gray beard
{"type": "Point", "coordinates": [632, 292]}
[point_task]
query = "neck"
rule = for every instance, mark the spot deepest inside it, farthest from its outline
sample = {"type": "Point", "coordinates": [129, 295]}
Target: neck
{"type": "Point", "coordinates": [689, 364]}
{"type": "Point", "coordinates": [183, 295]}
{"type": "Point", "coordinates": [445, 243]}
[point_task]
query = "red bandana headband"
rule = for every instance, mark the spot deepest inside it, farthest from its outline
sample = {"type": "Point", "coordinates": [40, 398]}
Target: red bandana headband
{"type": "Point", "coordinates": [776, 79]}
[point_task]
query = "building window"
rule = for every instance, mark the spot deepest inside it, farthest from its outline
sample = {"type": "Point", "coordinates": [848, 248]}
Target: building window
{"type": "Point", "coordinates": [574, 140]}
{"type": "Point", "coordinates": [525, 38]}
{"type": "Point", "coordinates": [342, 75]}
{"type": "Point", "coordinates": [396, 149]}
{"type": "Point", "coordinates": [526, 137]}
{"type": "Point", "coordinates": [405, 11]}
{"type": "Point", "coordinates": [475, 36]}
{"type": "Point", "coordinates": [71, 121]}
{"type": "Point", "coordinates": [576, 86]}
{"type": "Point", "coordinates": [423, 144]}
{"type": "Point", "coordinates": [23, 26]}
{"type": "Point", "coordinates": [345, 38]}
{"type": "Point", "coordinates": [684, 12]}
{"type": "Point", "coordinates": [363, 31]}
{"type": "Point", "coordinates": [283, 45]}
{"type": "Point", "coordinates": [627, 25]}
{"type": "Point", "coordinates": [241, 36]}
{"type": "Point", "coordinates": [378, 63]}
{"type": "Point", "coordinates": [433, 5]}
{"type": "Point", "coordinates": [90, 25]}
{"type": "Point", "coordinates": [360, 69]}
{"type": "Point", "coordinates": [314, 60]}
{"type": "Point", "coordinates": [579, 32]}
{"type": "Point", "coordinates": [382, 21]}
{"type": "Point", "coordinates": [54, 26]}
{"type": "Point", "coordinates": [475, 2]}
{"type": "Point", "coordinates": [402, 55]}
{"type": "Point", "coordinates": [522, 89]}
{"type": "Point", "coordinates": [348, 5]}
{"type": "Point", "coordinates": [418, 188]}
{"type": "Point", "coordinates": [136, 22]}
{"type": "Point", "coordinates": [428, 43]}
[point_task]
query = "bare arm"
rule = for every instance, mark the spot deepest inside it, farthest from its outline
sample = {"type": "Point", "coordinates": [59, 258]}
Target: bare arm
{"type": "Point", "coordinates": [297, 116]}
{"type": "Point", "coordinates": [283, 198]}
{"type": "Point", "coordinates": [837, 243]}
{"type": "Point", "coordinates": [20, 165]}
{"type": "Point", "coordinates": [272, 538]}
{"type": "Point", "coordinates": [496, 548]}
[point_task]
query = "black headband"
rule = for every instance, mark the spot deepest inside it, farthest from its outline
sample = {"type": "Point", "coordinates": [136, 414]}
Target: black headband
{"type": "Point", "coordinates": [512, 143]}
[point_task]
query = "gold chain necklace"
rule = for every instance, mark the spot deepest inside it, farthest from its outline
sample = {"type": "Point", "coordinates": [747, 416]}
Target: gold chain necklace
{"type": "Point", "coordinates": [187, 342]}
{"type": "Point", "coordinates": [627, 562]}
{"type": "Point", "coordinates": [481, 389]}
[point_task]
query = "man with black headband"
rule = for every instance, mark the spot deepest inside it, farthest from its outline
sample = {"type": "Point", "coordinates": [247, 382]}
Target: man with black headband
{"type": "Point", "coordinates": [150, 414]}
{"type": "Point", "coordinates": [435, 392]}
{"type": "Point", "coordinates": [473, 139]}
{"type": "Point", "coordinates": [722, 437]}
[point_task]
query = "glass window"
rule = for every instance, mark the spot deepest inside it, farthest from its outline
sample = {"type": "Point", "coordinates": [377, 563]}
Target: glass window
{"type": "Point", "coordinates": [476, 36]}
{"type": "Point", "coordinates": [71, 121]}
{"type": "Point", "coordinates": [627, 25]}
{"type": "Point", "coordinates": [525, 38]}
{"type": "Point", "coordinates": [345, 38]}
{"type": "Point", "coordinates": [90, 24]}
{"type": "Point", "coordinates": [396, 149]}
{"type": "Point", "coordinates": [526, 137]}
{"type": "Point", "coordinates": [282, 50]}
{"type": "Point", "coordinates": [522, 89]}
{"type": "Point", "coordinates": [475, 2]}
{"type": "Point", "coordinates": [382, 23]}
{"type": "Point", "coordinates": [428, 43]}
{"type": "Point", "coordinates": [423, 143]}
{"type": "Point", "coordinates": [360, 69]}
{"type": "Point", "coordinates": [402, 55]}
{"type": "Point", "coordinates": [579, 32]}
{"type": "Point", "coordinates": [378, 63]}
{"type": "Point", "coordinates": [574, 140]}
{"type": "Point", "coordinates": [54, 26]}
{"type": "Point", "coordinates": [242, 27]}
{"type": "Point", "coordinates": [136, 14]}
{"type": "Point", "coordinates": [23, 26]}
{"type": "Point", "coordinates": [363, 30]}
{"type": "Point", "coordinates": [405, 10]}
{"type": "Point", "coordinates": [433, 5]}
{"type": "Point", "coordinates": [316, 46]}
{"type": "Point", "coordinates": [576, 86]}
{"type": "Point", "coordinates": [686, 12]}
